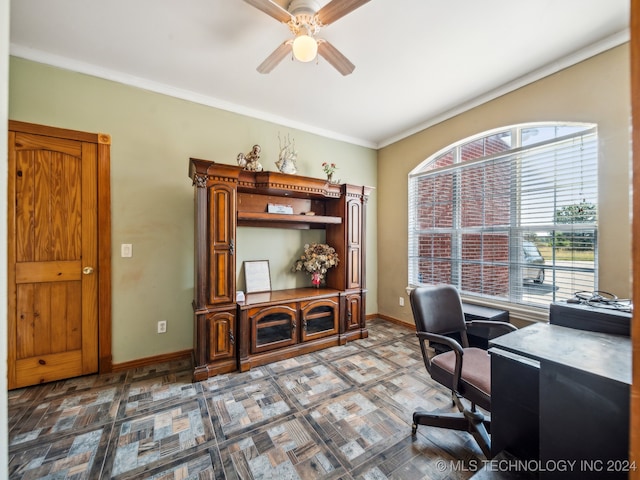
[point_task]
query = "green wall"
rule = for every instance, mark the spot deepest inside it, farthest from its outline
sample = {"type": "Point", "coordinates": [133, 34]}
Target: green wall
{"type": "Point", "coordinates": [596, 90]}
{"type": "Point", "coordinates": [152, 138]}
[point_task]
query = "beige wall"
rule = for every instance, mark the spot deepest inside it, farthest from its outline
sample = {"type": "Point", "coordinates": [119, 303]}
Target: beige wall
{"type": "Point", "coordinates": [153, 137]}
{"type": "Point", "coordinates": [596, 90]}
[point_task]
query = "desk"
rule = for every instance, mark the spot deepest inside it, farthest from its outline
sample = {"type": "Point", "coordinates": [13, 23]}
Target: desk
{"type": "Point", "coordinates": [585, 317]}
{"type": "Point", "coordinates": [579, 383]}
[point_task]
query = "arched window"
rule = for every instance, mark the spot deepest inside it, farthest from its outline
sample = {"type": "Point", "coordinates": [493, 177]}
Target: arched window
{"type": "Point", "coordinates": [509, 214]}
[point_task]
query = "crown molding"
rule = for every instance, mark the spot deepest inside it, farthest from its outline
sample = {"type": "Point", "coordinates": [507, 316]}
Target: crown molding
{"type": "Point", "coordinates": [157, 87]}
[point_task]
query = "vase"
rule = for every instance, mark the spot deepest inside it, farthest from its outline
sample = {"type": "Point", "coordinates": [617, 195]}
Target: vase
{"type": "Point", "coordinates": [330, 177]}
{"type": "Point", "coordinates": [315, 279]}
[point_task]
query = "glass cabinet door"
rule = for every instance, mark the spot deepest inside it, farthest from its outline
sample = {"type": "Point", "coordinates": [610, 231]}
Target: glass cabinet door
{"type": "Point", "coordinates": [272, 327]}
{"type": "Point", "coordinates": [319, 318]}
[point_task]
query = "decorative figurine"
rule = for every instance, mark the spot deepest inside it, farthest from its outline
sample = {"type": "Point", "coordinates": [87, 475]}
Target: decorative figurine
{"type": "Point", "coordinates": [251, 161]}
{"type": "Point", "coordinates": [287, 159]}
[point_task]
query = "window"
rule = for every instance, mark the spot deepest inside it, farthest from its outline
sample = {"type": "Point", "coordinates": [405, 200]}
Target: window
{"type": "Point", "coordinates": [509, 214]}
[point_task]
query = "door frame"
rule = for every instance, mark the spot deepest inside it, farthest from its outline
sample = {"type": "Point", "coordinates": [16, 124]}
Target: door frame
{"type": "Point", "coordinates": [103, 169]}
{"type": "Point", "coordinates": [634, 422]}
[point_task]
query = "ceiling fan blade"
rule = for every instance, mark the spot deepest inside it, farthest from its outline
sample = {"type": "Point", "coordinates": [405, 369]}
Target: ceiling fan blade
{"type": "Point", "coordinates": [335, 58]}
{"type": "Point", "coordinates": [272, 9]}
{"type": "Point", "coordinates": [275, 58]}
{"type": "Point", "coordinates": [336, 9]}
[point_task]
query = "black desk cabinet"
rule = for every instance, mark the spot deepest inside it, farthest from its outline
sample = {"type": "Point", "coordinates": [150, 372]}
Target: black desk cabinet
{"type": "Point", "coordinates": [584, 417]}
{"type": "Point", "coordinates": [594, 319]}
{"type": "Point", "coordinates": [582, 387]}
{"type": "Point", "coordinates": [515, 405]}
{"type": "Point", "coordinates": [480, 336]}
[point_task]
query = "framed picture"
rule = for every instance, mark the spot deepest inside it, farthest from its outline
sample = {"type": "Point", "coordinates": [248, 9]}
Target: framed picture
{"type": "Point", "coordinates": [256, 276]}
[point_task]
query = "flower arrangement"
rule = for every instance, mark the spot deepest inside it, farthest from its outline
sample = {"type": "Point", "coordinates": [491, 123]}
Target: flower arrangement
{"type": "Point", "coordinates": [329, 168]}
{"type": "Point", "coordinates": [316, 260]}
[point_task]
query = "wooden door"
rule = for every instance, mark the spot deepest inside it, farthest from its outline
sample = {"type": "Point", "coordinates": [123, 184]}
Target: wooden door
{"type": "Point", "coordinates": [634, 426]}
{"type": "Point", "coordinates": [221, 328]}
{"type": "Point", "coordinates": [222, 227]}
{"type": "Point", "coordinates": [353, 316]}
{"type": "Point", "coordinates": [53, 258]}
{"type": "Point", "coordinates": [354, 243]}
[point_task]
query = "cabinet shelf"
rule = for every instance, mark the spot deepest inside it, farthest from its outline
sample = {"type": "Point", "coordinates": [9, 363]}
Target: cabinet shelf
{"type": "Point", "coordinates": [291, 295]}
{"type": "Point", "coordinates": [288, 218]}
{"type": "Point", "coordinates": [273, 323]}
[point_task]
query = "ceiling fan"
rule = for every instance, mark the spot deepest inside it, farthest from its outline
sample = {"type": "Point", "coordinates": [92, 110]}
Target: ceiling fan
{"type": "Point", "coordinates": [305, 20]}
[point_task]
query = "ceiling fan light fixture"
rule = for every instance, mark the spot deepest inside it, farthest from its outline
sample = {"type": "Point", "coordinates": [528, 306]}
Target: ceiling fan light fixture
{"type": "Point", "coordinates": [305, 48]}
{"type": "Point", "coordinates": [305, 19]}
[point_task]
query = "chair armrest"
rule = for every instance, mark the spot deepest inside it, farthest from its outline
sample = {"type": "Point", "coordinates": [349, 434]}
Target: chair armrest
{"type": "Point", "coordinates": [507, 327]}
{"type": "Point", "coordinates": [448, 341]}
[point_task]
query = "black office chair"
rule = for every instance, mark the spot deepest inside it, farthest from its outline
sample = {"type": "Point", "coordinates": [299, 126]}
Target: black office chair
{"type": "Point", "coordinates": [437, 311]}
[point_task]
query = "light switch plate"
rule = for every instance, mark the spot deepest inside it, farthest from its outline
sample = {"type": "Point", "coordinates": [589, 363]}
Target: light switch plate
{"type": "Point", "coordinates": [126, 250]}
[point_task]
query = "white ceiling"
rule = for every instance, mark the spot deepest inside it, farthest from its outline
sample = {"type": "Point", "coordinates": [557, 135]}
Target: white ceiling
{"type": "Point", "coordinates": [417, 61]}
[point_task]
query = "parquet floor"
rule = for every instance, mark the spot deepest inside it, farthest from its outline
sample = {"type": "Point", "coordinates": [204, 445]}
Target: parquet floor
{"type": "Point", "coordinates": [340, 413]}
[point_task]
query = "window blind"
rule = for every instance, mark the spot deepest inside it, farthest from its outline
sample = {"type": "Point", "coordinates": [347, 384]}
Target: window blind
{"type": "Point", "coordinates": [502, 216]}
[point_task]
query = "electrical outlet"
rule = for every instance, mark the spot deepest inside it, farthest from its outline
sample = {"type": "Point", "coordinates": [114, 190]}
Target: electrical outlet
{"type": "Point", "coordinates": [401, 301]}
{"type": "Point", "coordinates": [162, 326]}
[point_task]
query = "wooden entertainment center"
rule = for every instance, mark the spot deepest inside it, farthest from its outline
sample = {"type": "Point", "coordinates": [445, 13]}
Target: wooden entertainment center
{"type": "Point", "coordinates": [271, 326]}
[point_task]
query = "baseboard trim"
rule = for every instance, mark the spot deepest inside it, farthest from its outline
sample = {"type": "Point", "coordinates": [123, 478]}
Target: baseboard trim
{"type": "Point", "coordinates": [395, 321]}
{"type": "Point", "coordinates": [145, 362]}
{"type": "Point", "coordinates": [168, 357]}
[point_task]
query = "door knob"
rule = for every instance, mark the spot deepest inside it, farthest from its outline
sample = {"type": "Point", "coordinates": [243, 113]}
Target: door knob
{"type": "Point", "coordinates": [87, 270]}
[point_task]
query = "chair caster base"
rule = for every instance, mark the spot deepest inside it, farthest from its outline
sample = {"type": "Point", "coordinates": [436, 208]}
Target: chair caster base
{"type": "Point", "coordinates": [469, 421]}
